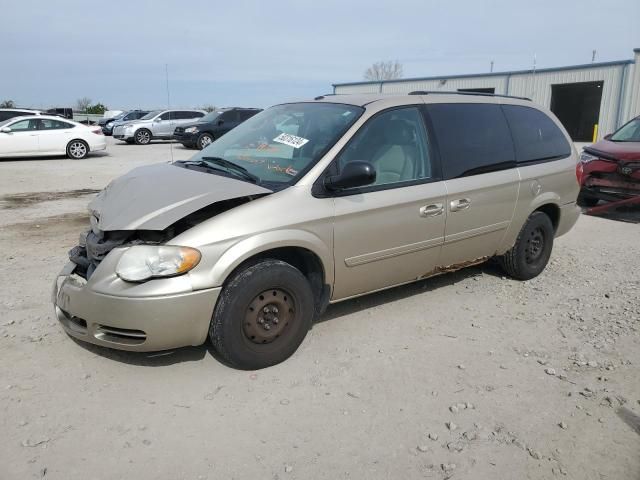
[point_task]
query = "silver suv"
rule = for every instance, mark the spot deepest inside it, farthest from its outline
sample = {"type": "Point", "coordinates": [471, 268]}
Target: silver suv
{"type": "Point", "coordinates": [158, 124]}
{"type": "Point", "coordinates": [311, 203]}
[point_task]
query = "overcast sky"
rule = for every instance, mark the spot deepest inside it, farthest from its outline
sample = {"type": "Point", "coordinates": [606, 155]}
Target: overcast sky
{"type": "Point", "coordinates": [256, 53]}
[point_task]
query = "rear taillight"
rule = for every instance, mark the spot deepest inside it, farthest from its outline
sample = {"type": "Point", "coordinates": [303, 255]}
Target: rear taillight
{"type": "Point", "coordinates": [97, 131]}
{"type": "Point", "coordinates": [579, 172]}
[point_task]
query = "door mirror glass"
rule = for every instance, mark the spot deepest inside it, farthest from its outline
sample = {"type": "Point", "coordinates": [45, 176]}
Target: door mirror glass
{"type": "Point", "coordinates": [5, 130]}
{"type": "Point", "coordinates": [356, 173]}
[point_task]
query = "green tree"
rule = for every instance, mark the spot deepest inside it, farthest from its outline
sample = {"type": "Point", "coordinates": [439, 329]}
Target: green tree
{"type": "Point", "coordinates": [97, 109]}
{"type": "Point", "coordinates": [8, 104]}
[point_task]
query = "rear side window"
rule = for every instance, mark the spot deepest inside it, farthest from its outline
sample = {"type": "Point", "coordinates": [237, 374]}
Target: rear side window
{"type": "Point", "coordinates": [473, 138]}
{"type": "Point", "coordinates": [247, 114]}
{"type": "Point", "coordinates": [47, 124]}
{"type": "Point", "coordinates": [188, 115]}
{"type": "Point", "coordinates": [535, 135]}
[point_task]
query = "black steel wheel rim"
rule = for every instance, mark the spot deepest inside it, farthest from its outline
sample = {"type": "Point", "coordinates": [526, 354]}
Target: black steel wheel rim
{"type": "Point", "coordinates": [269, 316]}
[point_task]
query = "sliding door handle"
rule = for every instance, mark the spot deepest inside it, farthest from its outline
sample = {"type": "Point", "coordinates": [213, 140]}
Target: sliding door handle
{"type": "Point", "coordinates": [460, 204]}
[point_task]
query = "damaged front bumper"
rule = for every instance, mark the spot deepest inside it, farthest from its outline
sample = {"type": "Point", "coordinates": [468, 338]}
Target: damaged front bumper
{"type": "Point", "coordinates": [152, 318]}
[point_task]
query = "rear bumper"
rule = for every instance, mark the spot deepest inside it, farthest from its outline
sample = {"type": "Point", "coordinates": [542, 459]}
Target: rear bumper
{"type": "Point", "coordinates": [98, 146]}
{"type": "Point", "coordinates": [569, 214]}
{"type": "Point", "coordinates": [127, 323]}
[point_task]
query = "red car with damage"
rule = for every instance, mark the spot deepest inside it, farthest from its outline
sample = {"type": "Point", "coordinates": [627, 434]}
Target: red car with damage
{"type": "Point", "coordinates": [609, 170]}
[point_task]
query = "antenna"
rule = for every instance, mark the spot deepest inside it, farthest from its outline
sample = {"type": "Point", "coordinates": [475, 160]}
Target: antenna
{"type": "Point", "coordinates": [593, 56]}
{"type": "Point", "coordinates": [166, 72]}
{"type": "Point", "coordinates": [491, 69]}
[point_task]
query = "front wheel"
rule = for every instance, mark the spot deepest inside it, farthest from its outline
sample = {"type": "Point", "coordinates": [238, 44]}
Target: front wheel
{"type": "Point", "coordinates": [77, 149]}
{"type": "Point", "coordinates": [204, 141]}
{"type": "Point", "coordinates": [142, 137]}
{"type": "Point", "coordinates": [531, 252]}
{"type": "Point", "coordinates": [262, 316]}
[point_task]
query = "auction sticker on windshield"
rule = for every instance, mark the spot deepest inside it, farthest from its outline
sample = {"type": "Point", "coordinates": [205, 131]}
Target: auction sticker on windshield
{"type": "Point", "coordinates": [291, 140]}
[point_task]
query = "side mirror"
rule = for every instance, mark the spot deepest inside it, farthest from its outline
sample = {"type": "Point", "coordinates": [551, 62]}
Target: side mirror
{"type": "Point", "coordinates": [157, 119]}
{"type": "Point", "coordinates": [354, 174]}
{"type": "Point", "coordinates": [5, 130]}
{"type": "Point", "coordinates": [608, 136]}
{"type": "Point", "coordinates": [220, 122]}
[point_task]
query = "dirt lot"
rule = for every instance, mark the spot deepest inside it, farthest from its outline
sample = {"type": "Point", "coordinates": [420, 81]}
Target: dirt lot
{"type": "Point", "coordinates": [469, 375]}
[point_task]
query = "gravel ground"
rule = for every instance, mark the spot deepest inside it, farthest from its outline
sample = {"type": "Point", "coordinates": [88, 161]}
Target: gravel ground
{"type": "Point", "coordinates": [469, 375]}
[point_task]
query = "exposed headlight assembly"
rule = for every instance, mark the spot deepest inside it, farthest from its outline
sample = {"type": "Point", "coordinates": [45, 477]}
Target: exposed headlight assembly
{"type": "Point", "coordinates": [191, 130]}
{"type": "Point", "coordinates": [142, 262]}
{"type": "Point", "coordinates": [586, 157]}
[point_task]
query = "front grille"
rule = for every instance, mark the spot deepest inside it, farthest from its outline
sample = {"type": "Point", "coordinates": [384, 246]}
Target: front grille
{"type": "Point", "coordinates": [94, 248]}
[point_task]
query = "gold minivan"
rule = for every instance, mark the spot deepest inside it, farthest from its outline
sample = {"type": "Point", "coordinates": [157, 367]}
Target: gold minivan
{"type": "Point", "coordinates": [311, 203]}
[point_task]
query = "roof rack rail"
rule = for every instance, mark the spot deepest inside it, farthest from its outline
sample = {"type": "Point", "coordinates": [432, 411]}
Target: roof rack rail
{"type": "Point", "coordinates": [480, 94]}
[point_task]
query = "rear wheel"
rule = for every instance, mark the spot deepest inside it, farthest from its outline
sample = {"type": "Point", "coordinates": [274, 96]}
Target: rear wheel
{"type": "Point", "coordinates": [262, 316]}
{"type": "Point", "coordinates": [204, 141]}
{"type": "Point", "coordinates": [77, 149]}
{"type": "Point", "coordinates": [530, 254]}
{"type": "Point", "coordinates": [142, 137]}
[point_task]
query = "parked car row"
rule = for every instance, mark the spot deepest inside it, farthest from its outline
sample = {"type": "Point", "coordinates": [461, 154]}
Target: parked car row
{"type": "Point", "coordinates": [192, 128]}
{"type": "Point", "coordinates": [108, 124]}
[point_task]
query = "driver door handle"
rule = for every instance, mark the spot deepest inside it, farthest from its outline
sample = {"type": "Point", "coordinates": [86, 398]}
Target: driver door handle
{"type": "Point", "coordinates": [432, 210]}
{"type": "Point", "coordinates": [460, 204]}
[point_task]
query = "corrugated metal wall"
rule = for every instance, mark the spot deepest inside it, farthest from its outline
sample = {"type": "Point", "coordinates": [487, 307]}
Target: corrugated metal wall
{"type": "Point", "coordinates": [614, 111]}
{"type": "Point", "coordinates": [450, 84]}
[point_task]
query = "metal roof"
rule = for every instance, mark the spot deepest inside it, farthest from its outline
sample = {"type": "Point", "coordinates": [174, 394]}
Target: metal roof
{"type": "Point", "coordinates": [491, 74]}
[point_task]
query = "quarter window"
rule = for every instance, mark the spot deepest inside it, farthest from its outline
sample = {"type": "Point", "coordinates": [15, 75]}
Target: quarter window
{"type": "Point", "coordinates": [535, 135]}
{"type": "Point", "coordinates": [396, 143]}
{"type": "Point", "coordinates": [47, 124]}
{"type": "Point", "coordinates": [473, 138]}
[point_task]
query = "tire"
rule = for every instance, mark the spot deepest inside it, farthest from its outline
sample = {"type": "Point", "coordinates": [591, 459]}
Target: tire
{"type": "Point", "coordinates": [142, 137]}
{"type": "Point", "coordinates": [585, 200]}
{"type": "Point", "coordinates": [77, 149]}
{"type": "Point", "coordinates": [204, 141]}
{"type": "Point", "coordinates": [530, 254]}
{"type": "Point", "coordinates": [245, 329]}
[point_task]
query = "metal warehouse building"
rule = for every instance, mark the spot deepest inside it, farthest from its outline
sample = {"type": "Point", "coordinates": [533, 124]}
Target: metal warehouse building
{"type": "Point", "coordinates": [590, 100]}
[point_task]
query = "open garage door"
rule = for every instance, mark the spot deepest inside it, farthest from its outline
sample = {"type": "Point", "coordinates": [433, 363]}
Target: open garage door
{"type": "Point", "coordinates": [577, 106]}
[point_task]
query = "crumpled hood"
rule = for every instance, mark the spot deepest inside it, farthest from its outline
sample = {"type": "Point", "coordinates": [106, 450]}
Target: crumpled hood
{"type": "Point", "coordinates": [624, 151]}
{"type": "Point", "coordinates": [156, 196]}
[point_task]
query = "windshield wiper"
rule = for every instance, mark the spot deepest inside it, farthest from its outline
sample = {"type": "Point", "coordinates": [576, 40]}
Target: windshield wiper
{"type": "Point", "coordinates": [229, 167]}
{"type": "Point", "coordinates": [239, 169]}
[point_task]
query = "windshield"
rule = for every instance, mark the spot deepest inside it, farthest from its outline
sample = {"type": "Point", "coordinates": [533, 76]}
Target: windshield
{"type": "Point", "coordinates": [210, 116]}
{"type": "Point", "coordinates": [628, 133]}
{"type": "Point", "coordinates": [150, 115]}
{"type": "Point", "coordinates": [281, 142]}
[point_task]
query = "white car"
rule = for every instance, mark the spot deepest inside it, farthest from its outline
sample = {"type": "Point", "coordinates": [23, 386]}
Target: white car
{"type": "Point", "coordinates": [44, 135]}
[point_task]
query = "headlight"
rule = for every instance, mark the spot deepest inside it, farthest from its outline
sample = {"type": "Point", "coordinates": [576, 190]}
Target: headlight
{"type": "Point", "coordinates": [586, 158]}
{"type": "Point", "coordinates": [142, 262]}
{"type": "Point", "coordinates": [191, 130]}
{"type": "Point", "coordinates": [109, 123]}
